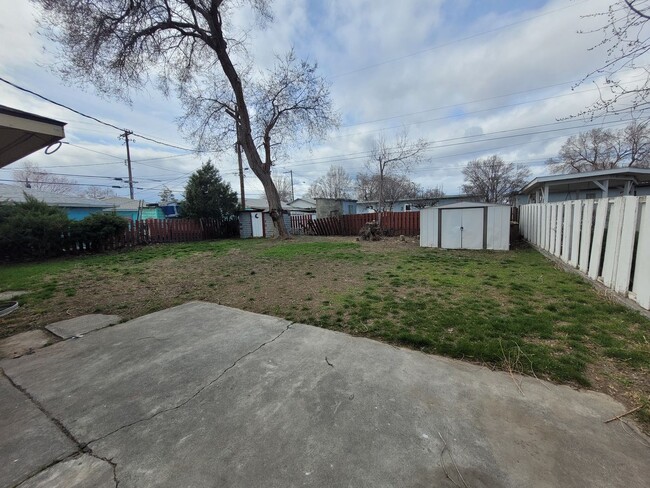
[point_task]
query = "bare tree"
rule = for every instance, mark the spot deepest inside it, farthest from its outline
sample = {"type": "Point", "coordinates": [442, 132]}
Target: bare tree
{"type": "Point", "coordinates": [493, 180]}
{"type": "Point", "coordinates": [31, 175]}
{"type": "Point", "coordinates": [194, 46]}
{"type": "Point", "coordinates": [283, 184]}
{"type": "Point", "coordinates": [393, 161]}
{"type": "Point", "coordinates": [167, 196]}
{"type": "Point", "coordinates": [336, 183]}
{"type": "Point", "coordinates": [394, 188]}
{"type": "Point", "coordinates": [625, 35]}
{"type": "Point", "coordinates": [600, 149]}
{"type": "Point", "coordinates": [98, 192]}
{"type": "Point", "coordinates": [429, 197]}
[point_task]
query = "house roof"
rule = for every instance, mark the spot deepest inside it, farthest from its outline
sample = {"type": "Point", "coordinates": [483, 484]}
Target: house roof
{"type": "Point", "coordinates": [123, 203]}
{"type": "Point", "coordinates": [585, 179]}
{"type": "Point", "coordinates": [338, 199]}
{"type": "Point", "coordinates": [22, 133]}
{"type": "Point", "coordinates": [424, 200]}
{"type": "Point", "coordinates": [15, 193]}
{"type": "Point", "coordinates": [301, 203]}
{"type": "Point", "coordinates": [261, 204]}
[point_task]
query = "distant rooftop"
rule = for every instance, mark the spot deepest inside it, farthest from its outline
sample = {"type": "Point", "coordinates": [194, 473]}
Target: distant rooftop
{"type": "Point", "coordinates": [15, 193]}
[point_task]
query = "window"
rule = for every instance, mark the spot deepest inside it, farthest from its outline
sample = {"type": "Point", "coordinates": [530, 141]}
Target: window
{"type": "Point", "coordinates": [407, 207]}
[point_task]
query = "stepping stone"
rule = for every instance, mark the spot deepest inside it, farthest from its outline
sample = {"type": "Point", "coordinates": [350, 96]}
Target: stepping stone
{"type": "Point", "coordinates": [20, 344]}
{"type": "Point", "coordinates": [8, 295]}
{"type": "Point", "coordinates": [80, 325]}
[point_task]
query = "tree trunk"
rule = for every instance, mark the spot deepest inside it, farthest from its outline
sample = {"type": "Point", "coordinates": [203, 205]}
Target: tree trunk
{"type": "Point", "coordinates": [244, 130]}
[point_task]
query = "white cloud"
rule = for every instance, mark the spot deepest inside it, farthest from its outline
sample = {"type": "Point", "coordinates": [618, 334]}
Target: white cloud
{"type": "Point", "coordinates": [429, 55]}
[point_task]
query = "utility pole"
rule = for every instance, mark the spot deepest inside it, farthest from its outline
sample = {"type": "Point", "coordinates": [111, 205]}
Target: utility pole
{"type": "Point", "coordinates": [126, 135]}
{"type": "Point", "coordinates": [292, 195]}
{"type": "Point", "coordinates": [291, 173]}
{"type": "Point", "coordinates": [241, 177]}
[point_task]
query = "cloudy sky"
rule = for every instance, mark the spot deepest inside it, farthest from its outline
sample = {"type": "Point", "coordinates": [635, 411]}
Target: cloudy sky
{"type": "Point", "coordinates": [473, 77]}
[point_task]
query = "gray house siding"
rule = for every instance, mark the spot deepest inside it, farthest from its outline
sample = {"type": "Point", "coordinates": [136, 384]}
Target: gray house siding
{"type": "Point", "coordinates": [269, 228]}
{"type": "Point", "coordinates": [245, 226]}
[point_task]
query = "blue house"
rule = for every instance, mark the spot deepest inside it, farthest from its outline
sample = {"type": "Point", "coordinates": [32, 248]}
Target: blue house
{"type": "Point", "coordinates": [76, 207]}
{"type": "Point", "coordinates": [133, 209]}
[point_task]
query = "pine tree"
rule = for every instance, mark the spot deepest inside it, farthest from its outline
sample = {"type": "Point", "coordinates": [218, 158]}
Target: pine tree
{"type": "Point", "coordinates": [207, 195]}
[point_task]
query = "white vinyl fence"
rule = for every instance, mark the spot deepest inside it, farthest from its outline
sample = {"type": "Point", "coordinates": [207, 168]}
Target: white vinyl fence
{"type": "Point", "coordinates": [606, 239]}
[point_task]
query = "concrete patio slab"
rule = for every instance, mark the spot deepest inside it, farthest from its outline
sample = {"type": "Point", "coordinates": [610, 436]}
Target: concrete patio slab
{"type": "Point", "coordinates": [81, 325]}
{"type": "Point", "coordinates": [23, 343]}
{"type": "Point", "coordinates": [204, 395]}
{"type": "Point", "coordinates": [83, 471]}
{"type": "Point", "coordinates": [29, 441]}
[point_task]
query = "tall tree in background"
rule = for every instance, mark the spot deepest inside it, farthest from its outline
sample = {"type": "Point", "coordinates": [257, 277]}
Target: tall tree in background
{"type": "Point", "coordinates": [493, 180]}
{"type": "Point", "coordinates": [98, 192]}
{"type": "Point", "coordinates": [167, 196]}
{"type": "Point", "coordinates": [393, 161]}
{"type": "Point", "coordinates": [31, 175]}
{"type": "Point", "coordinates": [600, 149]}
{"type": "Point", "coordinates": [283, 184]}
{"type": "Point", "coordinates": [627, 38]}
{"type": "Point", "coordinates": [336, 183]}
{"type": "Point", "coordinates": [394, 189]}
{"type": "Point", "coordinates": [207, 195]}
{"type": "Point", "coordinates": [197, 48]}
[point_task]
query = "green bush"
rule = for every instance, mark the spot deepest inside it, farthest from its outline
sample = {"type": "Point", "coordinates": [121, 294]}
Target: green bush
{"type": "Point", "coordinates": [96, 230]}
{"type": "Point", "coordinates": [31, 229]}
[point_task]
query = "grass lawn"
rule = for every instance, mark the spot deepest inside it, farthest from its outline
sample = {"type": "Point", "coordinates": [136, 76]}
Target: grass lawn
{"type": "Point", "coordinates": [514, 310]}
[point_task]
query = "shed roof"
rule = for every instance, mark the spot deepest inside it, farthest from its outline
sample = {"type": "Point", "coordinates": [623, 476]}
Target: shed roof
{"type": "Point", "coordinates": [15, 193]}
{"type": "Point", "coordinates": [472, 205]}
{"type": "Point", "coordinates": [22, 133]}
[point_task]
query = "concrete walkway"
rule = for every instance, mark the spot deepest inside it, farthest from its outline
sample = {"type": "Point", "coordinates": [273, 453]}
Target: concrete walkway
{"type": "Point", "coordinates": [202, 395]}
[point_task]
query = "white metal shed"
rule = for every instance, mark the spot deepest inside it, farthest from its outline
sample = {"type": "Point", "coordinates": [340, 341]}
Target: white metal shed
{"type": "Point", "coordinates": [466, 225]}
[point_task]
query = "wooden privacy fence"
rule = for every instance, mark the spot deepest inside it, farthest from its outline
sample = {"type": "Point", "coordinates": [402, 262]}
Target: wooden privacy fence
{"type": "Point", "coordinates": [606, 239]}
{"type": "Point", "coordinates": [153, 231]}
{"type": "Point", "coordinates": [300, 223]}
{"type": "Point", "coordinates": [393, 223]}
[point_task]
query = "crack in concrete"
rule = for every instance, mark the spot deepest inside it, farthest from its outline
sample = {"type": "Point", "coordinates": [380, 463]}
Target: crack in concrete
{"type": "Point", "coordinates": [81, 447]}
{"type": "Point", "coordinates": [196, 393]}
{"type": "Point", "coordinates": [84, 448]}
{"type": "Point", "coordinates": [43, 468]}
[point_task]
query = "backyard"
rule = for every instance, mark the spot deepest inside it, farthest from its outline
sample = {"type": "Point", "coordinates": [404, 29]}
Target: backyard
{"type": "Point", "coordinates": [513, 311]}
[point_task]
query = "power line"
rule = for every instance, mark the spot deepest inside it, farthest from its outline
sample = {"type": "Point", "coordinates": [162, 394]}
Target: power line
{"type": "Point", "coordinates": [67, 184]}
{"type": "Point", "coordinates": [365, 154]}
{"type": "Point", "coordinates": [108, 124]}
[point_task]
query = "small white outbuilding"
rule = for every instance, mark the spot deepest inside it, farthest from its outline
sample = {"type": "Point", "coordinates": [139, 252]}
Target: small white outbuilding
{"type": "Point", "coordinates": [466, 225]}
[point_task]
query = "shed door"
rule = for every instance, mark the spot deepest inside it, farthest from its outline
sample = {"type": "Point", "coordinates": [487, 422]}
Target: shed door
{"type": "Point", "coordinates": [462, 228]}
{"type": "Point", "coordinates": [257, 222]}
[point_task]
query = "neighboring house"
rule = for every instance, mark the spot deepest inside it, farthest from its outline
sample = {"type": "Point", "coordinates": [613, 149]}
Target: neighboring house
{"type": "Point", "coordinates": [171, 210]}
{"type": "Point", "coordinates": [581, 186]}
{"type": "Point", "coordinates": [414, 204]}
{"type": "Point", "coordinates": [331, 207]}
{"type": "Point", "coordinates": [133, 209]}
{"type": "Point", "coordinates": [301, 206]}
{"type": "Point", "coordinates": [22, 133]}
{"type": "Point", "coordinates": [76, 207]}
{"type": "Point", "coordinates": [255, 220]}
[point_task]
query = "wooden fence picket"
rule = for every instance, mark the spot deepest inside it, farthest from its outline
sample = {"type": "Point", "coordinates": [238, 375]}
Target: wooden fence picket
{"type": "Point", "coordinates": [605, 239]}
